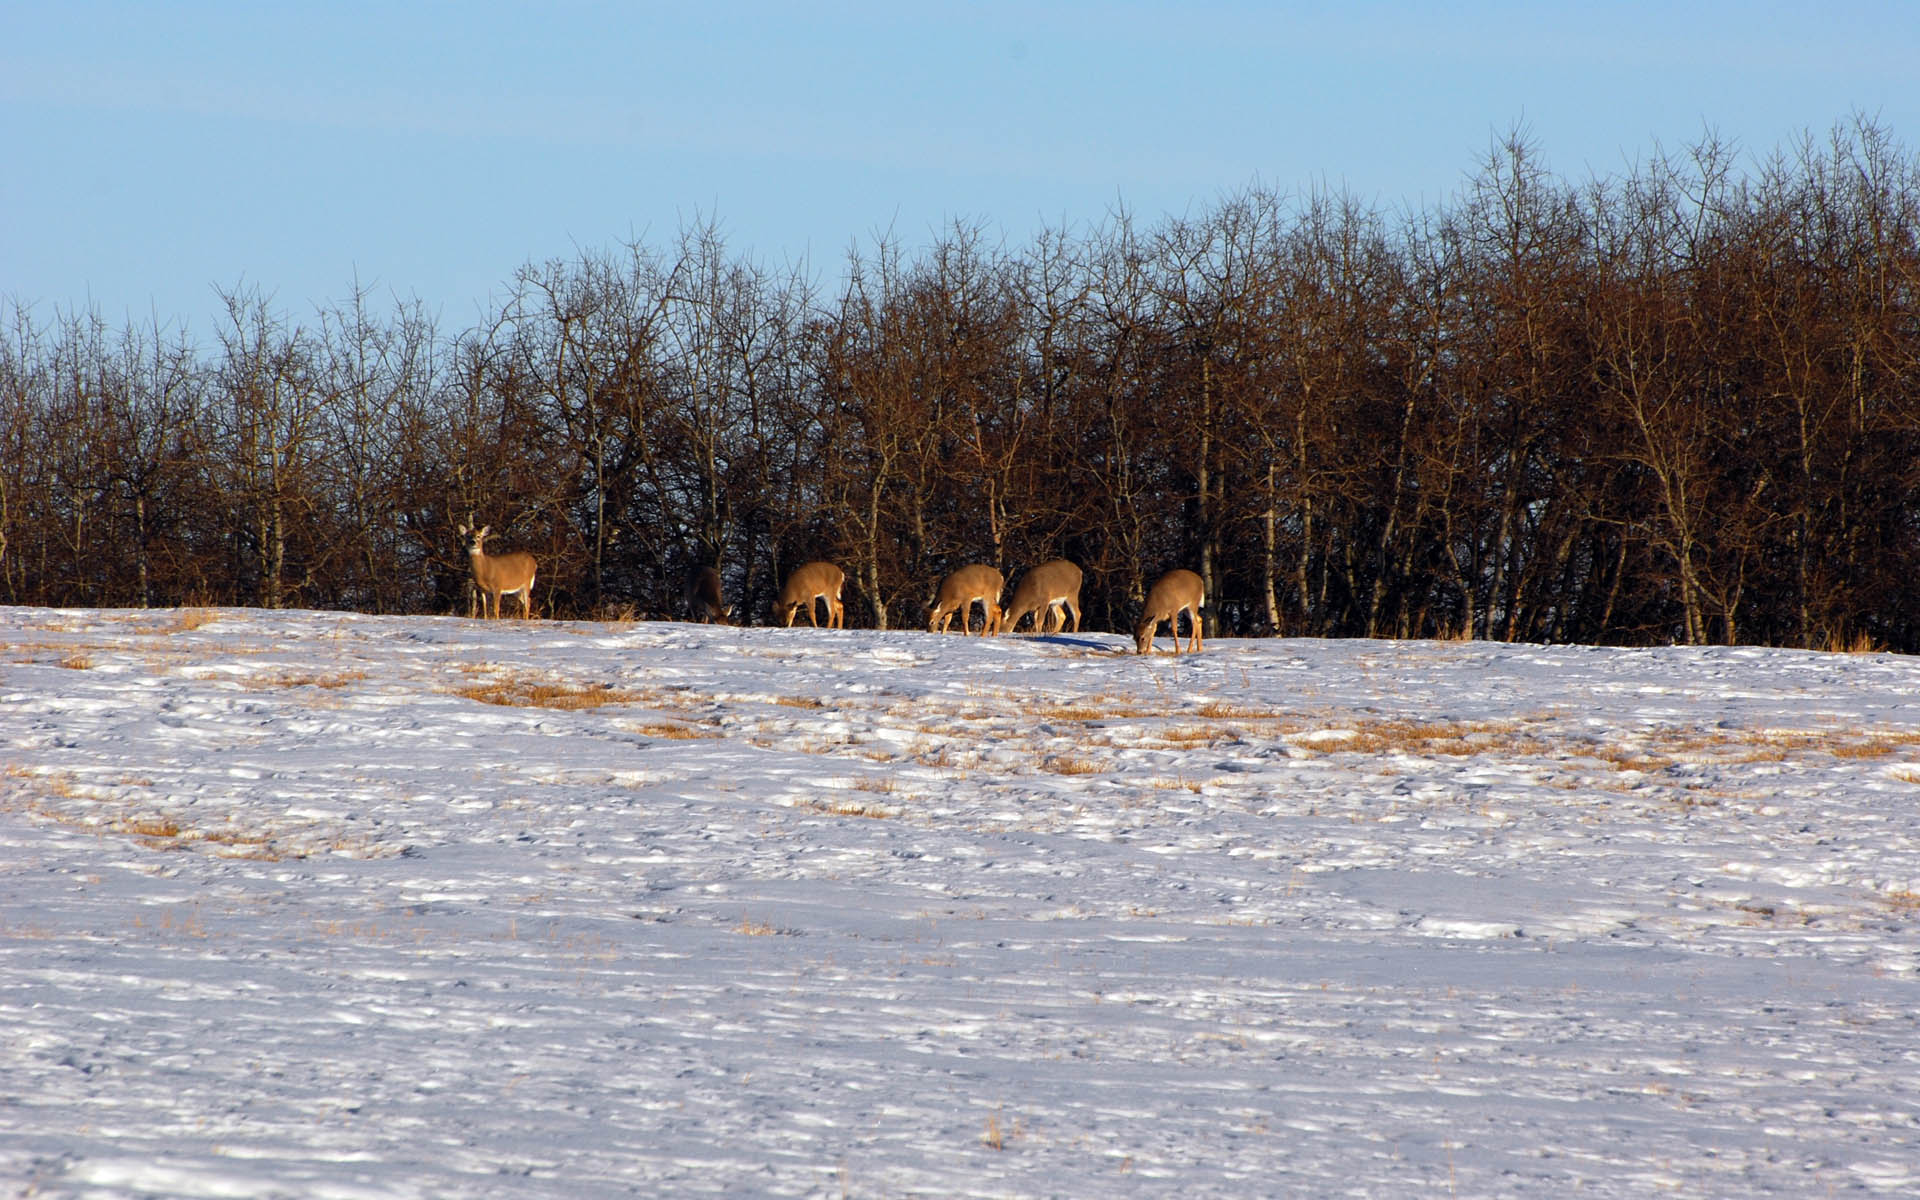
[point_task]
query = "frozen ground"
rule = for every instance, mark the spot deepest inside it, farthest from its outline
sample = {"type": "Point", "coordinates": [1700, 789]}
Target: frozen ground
{"type": "Point", "coordinates": [321, 905]}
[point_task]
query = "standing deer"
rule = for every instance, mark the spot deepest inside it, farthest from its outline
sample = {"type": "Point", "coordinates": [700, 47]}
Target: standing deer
{"type": "Point", "coordinates": [498, 575]}
{"type": "Point", "coordinates": [815, 581]}
{"type": "Point", "coordinates": [702, 599]}
{"type": "Point", "coordinates": [1047, 587]}
{"type": "Point", "coordinates": [958, 594]}
{"type": "Point", "coordinates": [1175, 592]}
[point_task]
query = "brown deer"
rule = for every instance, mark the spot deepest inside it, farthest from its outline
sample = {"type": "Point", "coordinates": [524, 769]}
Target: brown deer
{"type": "Point", "coordinates": [498, 575]}
{"type": "Point", "coordinates": [1046, 588]}
{"type": "Point", "coordinates": [702, 598]}
{"type": "Point", "coordinates": [958, 594]}
{"type": "Point", "coordinates": [815, 581]}
{"type": "Point", "coordinates": [1175, 592]}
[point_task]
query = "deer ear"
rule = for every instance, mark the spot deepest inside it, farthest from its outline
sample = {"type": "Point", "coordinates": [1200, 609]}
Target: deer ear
{"type": "Point", "coordinates": [485, 530]}
{"type": "Point", "coordinates": [462, 531]}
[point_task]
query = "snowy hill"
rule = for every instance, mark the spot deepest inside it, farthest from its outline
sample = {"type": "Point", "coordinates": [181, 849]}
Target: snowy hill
{"type": "Point", "coordinates": [313, 904]}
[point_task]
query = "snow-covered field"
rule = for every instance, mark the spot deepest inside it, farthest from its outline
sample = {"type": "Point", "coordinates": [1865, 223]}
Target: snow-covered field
{"type": "Point", "coordinates": [314, 904]}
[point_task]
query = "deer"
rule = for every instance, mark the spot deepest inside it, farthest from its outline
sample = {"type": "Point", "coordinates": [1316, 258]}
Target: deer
{"type": "Point", "coordinates": [498, 575]}
{"type": "Point", "coordinates": [702, 598]}
{"type": "Point", "coordinates": [1047, 587]}
{"type": "Point", "coordinates": [1175, 592]}
{"type": "Point", "coordinates": [958, 593]}
{"type": "Point", "coordinates": [815, 581]}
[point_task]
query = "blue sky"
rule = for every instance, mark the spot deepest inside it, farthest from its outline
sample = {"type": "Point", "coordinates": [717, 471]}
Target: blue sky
{"type": "Point", "coordinates": [153, 152]}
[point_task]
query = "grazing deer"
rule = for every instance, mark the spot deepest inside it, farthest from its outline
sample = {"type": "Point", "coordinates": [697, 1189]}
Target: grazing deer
{"type": "Point", "coordinates": [498, 575]}
{"type": "Point", "coordinates": [1175, 592]}
{"type": "Point", "coordinates": [1047, 587]}
{"type": "Point", "coordinates": [702, 600]}
{"type": "Point", "coordinates": [815, 581]}
{"type": "Point", "coordinates": [958, 593]}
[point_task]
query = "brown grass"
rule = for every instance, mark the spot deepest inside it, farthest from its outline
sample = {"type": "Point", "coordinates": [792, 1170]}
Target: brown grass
{"type": "Point", "coordinates": [998, 1133]}
{"type": "Point", "coordinates": [1422, 737]}
{"type": "Point", "coordinates": [534, 693]}
{"type": "Point", "coordinates": [181, 620]}
{"type": "Point", "coordinates": [674, 730]}
{"type": "Point", "coordinates": [50, 796]}
{"type": "Point", "coordinates": [850, 808]}
{"type": "Point", "coordinates": [1066, 765]}
{"type": "Point", "coordinates": [151, 826]}
{"type": "Point", "coordinates": [1187, 737]}
{"type": "Point", "coordinates": [939, 757]}
{"type": "Point", "coordinates": [1651, 752]}
{"type": "Point", "coordinates": [1876, 748]}
{"type": "Point", "coordinates": [1620, 758]}
{"type": "Point", "coordinates": [240, 844]}
{"type": "Point", "coordinates": [1220, 710]}
{"type": "Point", "coordinates": [329, 682]}
{"type": "Point", "coordinates": [1077, 712]}
{"type": "Point", "coordinates": [129, 807]}
{"type": "Point", "coordinates": [1665, 748]}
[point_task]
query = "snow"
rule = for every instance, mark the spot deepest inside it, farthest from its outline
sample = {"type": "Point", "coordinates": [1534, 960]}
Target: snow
{"type": "Point", "coordinates": [292, 905]}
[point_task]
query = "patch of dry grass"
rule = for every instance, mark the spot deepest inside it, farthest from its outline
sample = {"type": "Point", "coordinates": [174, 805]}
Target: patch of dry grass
{"type": "Point", "coordinates": [125, 807]}
{"type": "Point", "coordinates": [1648, 753]}
{"type": "Point", "coordinates": [940, 758]}
{"type": "Point", "coordinates": [1904, 900]}
{"type": "Point", "coordinates": [149, 826]}
{"type": "Point", "coordinates": [1190, 737]}
{"type": "Point", "coordinates": [850, 807]}
{"type": "Point", "coordinates": [1221, 710]}
{"type": "Point", "coordinates": [1458, 738]}
{"type": "Point", "coordinates": [180, 620]}
{"type": "Point", "coordinates": [1061, 764]}
{"type": "Point", "coordinates": [1078, 712]}
{"type": "Point", "coordinates": [239, 843]}
{"type": "Point", "coordinates": [1860, 643]}
{"type": "Point", "coordinates": [1623, 758]}
{"type": "Point", "coordinates": [674, 731]}
{"type": "Point", "coordinates": [1662, 749]}
{"type": "Point", "coordinates": [1175, 785]}
{"type": "Point", "coordinates": [331, 682]}
{"type": "Point", "coordinates": [999, 1133]}
{"type": "Point", "coordinates": [522, 692]}
{"type": "Point", "coordinates": [1880, 744]}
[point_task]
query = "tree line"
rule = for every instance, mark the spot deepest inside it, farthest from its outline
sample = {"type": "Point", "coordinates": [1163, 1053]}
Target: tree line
{"type": "Point", "coordinates": [1676, 404]}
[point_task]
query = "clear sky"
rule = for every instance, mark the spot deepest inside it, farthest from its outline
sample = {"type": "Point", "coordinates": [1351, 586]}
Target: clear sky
{"type": "Point", "coordinates": [151, 152]}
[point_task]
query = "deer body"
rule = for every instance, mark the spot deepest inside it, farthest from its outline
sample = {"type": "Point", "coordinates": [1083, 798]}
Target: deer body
{"type": "Point", "coordinates": [815, 581]}
{"type": "Point", "coordinates": [958, 594]}
{"type": "Point", "coordinates": [1045, 588]}
{"type": "Point", "coordinates": [702, 597]}
{"type": "Point", "coordinates": [498, 575]}
{"type": "Point", "coordinates": [1175, 592]}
